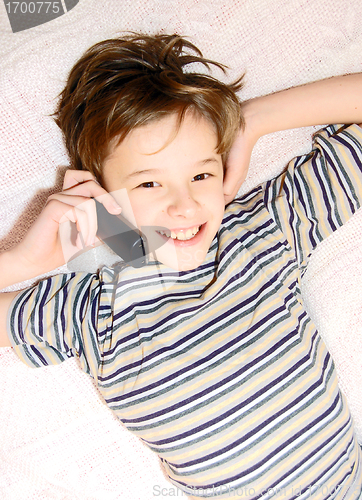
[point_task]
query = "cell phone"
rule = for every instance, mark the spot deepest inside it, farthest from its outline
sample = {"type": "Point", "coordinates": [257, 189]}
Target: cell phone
{"type": "Point", "coordinates": [122, 237]}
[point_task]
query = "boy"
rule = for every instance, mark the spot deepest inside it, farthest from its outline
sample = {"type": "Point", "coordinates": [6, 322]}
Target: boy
{"type": "Point", "coordinates": [222, 373]}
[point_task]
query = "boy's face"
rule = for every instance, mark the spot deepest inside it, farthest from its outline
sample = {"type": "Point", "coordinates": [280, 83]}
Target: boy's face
{"type": "Point", "coordinates": [173, 180]}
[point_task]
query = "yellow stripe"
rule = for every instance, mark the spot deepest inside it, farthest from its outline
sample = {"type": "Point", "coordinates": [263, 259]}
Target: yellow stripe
{"type": "Point", "coordinates": [210, 345]}
{"type": "Point", "coordinates": [175, 333]}
{"type": "Point", "coordinates": [264, 450]}
{"type": "Point", "coordinates": [249, 389]}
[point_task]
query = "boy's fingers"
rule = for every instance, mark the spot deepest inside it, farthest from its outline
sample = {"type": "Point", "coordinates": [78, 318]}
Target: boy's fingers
{"type": "Point", "coordinates": [235, 174]}
{"type": "Point", "coordinates": [110, 203]}
{"type": "Point", "coordinates": [232, 183]}
{"type": "Point", "coordinates": [76, 204]}
{"type": "Point", "coordinates": [74, 177]}
{"type": "Point", "coordinates": [79, 210]}
{"type": "Point", "coordinates": [91, 189]}
{"type": "Point", "coordinates": [85, 226]}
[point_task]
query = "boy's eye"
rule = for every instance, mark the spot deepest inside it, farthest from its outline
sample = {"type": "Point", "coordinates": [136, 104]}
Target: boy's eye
{"type": "Point", "coordinates": [150, 184]}
{"type": "Point", "coordinates": [200, 177]}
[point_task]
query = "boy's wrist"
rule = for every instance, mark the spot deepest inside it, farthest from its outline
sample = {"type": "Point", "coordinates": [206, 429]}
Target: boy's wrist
{"type": "Point", "coordinates": [8, 268]}
{"type": "Point", "coordinates": [13, 269]}
{"type": "Point", "coordinates": [255, 120]}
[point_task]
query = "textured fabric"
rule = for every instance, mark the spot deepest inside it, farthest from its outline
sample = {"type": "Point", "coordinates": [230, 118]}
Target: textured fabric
{"type": "Point", "coordinates": [220, 370]}
{"type": "Point", "coordinates": [331, 288]}
{"type": "Point", "coordinates": [58, 440]}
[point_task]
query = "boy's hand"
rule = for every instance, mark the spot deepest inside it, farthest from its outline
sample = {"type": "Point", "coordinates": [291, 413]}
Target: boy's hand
{"type": "Point", "coordinates": [334, 100]}
{"type": "Point", "coordinates": [41, 250]}
{"type": "Point", "coordinates": [237, 165]}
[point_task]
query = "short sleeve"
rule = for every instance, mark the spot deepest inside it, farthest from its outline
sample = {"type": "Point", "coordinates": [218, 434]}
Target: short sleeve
{"type": "Point", "coordinates": [62, 317]}
{"type": "Point", "coordinates": [320, 191]}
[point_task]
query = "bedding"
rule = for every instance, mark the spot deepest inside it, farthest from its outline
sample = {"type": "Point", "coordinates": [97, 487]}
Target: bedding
{"type": "Point", "coordinates": [58, 439]}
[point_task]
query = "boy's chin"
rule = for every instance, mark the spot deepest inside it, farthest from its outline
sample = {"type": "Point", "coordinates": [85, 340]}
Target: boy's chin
{"type": "Point", "coordinates": [184, 262]}
{"type": "Point", "coordinates": [188, 266]}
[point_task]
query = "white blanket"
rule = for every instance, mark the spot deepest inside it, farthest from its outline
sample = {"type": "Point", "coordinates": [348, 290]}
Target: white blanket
{"type": "Point", "coordinates": [58, 439]}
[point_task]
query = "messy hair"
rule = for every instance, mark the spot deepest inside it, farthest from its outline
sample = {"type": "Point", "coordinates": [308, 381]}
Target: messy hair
{"type": "Point", "coordinates": [124, 83]}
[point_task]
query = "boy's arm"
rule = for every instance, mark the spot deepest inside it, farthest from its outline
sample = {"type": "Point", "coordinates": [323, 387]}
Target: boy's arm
{"type": "Point", "coordinates": [5, 301]}
{"type": "Point", "coordinates": [41, 250]}
{"type": "Point", "coordinates": [335, 100]}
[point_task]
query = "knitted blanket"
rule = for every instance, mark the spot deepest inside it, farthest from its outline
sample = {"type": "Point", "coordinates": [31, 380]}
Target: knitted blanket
{"type": "Point", "coordinates": [58, 440]}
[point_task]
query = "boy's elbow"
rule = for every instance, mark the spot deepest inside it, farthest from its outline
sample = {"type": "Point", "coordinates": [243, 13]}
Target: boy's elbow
{"type": "Point", "coordinates": [5, 302]}
{"type": "Point", "coordinates": [4, 340]}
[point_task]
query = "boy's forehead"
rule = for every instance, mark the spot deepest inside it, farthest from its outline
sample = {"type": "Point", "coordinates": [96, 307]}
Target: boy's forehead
{"type": "Point", "coordinates": [153, 137]}
{"type": "Point", "coordinates": [167, 136]}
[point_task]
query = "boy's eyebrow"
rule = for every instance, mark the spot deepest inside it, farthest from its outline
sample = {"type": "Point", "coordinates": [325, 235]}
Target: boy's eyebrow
{"type": "Point", "coordinates": [145, 171]}
{"type": "Point", "coordinates": [150, 171]}
{"type": "Point", "coordinates": [208, 160]}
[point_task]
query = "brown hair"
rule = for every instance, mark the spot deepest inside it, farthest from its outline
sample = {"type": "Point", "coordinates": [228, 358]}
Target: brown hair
{"type": "Point", "coordinates": [123, 83]}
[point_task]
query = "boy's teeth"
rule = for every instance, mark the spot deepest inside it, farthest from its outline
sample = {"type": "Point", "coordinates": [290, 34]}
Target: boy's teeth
{"type": "Point", "coordinates": [190, 233]}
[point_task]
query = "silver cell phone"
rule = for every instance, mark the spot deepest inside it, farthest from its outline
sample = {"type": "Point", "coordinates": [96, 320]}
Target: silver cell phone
{"type": "Point", "coordinates": [122, 237]}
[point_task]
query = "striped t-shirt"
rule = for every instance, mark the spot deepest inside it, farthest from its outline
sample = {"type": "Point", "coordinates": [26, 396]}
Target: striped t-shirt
{"type": "Point", "coordinates": [220, 370]}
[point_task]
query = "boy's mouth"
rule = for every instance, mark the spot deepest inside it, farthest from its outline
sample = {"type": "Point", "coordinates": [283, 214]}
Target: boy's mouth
{"type": "Point", "coordinates": [182, 235]}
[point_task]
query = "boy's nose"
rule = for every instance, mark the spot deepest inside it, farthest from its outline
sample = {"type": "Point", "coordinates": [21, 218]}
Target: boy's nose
{"type": "Point", "coordinates": [183, 205]}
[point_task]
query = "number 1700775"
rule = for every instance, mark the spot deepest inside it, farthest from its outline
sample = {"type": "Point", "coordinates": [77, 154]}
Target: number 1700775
{"type": "Point", "coordinates": [33, 7]}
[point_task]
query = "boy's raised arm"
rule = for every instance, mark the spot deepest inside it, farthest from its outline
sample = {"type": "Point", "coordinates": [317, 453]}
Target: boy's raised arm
{"type": "Point", "coordinates": [335, 100]}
